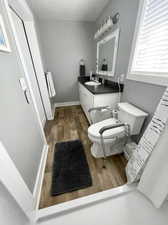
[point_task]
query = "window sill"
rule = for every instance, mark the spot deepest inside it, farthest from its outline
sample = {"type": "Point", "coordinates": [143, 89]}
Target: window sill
{"type": "Point", "coordinates": [155, 79]}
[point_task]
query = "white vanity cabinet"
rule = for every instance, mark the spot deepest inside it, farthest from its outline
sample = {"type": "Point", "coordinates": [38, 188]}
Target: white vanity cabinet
{"type": "Point", "coordinates": [89, 100]}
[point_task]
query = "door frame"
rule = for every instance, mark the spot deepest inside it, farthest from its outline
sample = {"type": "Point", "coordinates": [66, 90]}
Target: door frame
{"type": "Point", "coordinates": [24, 12]}
{"type": "Point", "coordinates": [35, 107]}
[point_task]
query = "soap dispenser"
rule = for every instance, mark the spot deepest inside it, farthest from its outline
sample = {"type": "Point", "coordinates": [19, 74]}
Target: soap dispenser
{"type": "Point", "coordinates": [82, 70]}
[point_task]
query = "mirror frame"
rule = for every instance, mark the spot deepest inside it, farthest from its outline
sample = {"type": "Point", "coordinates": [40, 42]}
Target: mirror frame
{"type": "Point", "coordinates": [115, 35]}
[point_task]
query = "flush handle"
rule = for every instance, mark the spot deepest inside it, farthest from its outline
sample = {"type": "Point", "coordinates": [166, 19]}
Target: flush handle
{"type": "Point", "coordinates": [26, 97]}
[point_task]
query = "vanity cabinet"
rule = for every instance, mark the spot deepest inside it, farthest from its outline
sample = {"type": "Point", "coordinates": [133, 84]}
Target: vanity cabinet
{"type": "Point", "coordinates": [89, 100]}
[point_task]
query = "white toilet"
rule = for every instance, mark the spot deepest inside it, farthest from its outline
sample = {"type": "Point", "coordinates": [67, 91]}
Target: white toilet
{"type": "Point", "coordinates": [115, 139]}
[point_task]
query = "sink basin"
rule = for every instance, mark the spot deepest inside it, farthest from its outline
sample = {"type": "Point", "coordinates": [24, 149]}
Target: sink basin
{"type": "Point", "coordinates": [92, 83]}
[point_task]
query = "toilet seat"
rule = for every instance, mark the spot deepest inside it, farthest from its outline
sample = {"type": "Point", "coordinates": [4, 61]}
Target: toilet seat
{"type": "Point", "coordinates": [115, 139]}
{"type": "Point", "coordinates": [93, 130]}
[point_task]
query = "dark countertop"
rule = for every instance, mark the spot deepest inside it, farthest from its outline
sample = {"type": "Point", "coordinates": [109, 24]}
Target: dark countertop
{"type": "Point", "coordinates": [106, 88]}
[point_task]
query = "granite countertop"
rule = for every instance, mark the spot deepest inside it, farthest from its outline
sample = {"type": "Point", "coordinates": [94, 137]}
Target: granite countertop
{"type": "Point", "coordinates": [106, 88]}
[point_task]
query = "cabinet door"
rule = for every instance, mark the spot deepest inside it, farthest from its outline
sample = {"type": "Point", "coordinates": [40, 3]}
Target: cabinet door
{"type": "Point", "coordinates": [106, 100]}
{"type": "Point", "coordinates": [86, 100]}
{"type": "Point", "coordinates": [80, 94]}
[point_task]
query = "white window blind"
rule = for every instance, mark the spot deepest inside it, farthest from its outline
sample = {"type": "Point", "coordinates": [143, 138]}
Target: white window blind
{"type": "Point", "coordinates": [151, 51]}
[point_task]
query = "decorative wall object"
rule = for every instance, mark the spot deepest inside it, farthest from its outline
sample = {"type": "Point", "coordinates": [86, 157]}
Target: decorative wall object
{"type": "Point", "coordinates": [107, 25]}
{"type": "Point", "coordinates": [4, 42]}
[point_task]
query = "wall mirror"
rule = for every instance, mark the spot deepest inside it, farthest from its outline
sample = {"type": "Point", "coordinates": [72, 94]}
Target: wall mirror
{"type": "Point", "coordinates": [107, 50]}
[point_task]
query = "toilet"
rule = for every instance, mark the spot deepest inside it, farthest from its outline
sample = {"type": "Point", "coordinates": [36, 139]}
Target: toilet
{"type": "Point", "coordinates": [115, 139]}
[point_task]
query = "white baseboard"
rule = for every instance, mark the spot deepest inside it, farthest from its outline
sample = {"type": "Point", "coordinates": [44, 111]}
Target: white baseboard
{"type": "Point", "coordinates": [61, 104]}
{"type": "Point", "coordinates": [40, 176]}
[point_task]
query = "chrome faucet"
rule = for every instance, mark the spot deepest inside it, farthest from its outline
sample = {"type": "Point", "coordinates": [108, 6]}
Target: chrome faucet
{"type": "Point", "coordinates": [91, 76]}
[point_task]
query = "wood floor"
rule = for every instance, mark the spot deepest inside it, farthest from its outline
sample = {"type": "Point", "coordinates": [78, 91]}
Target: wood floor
{"type": "Point", "coordinates": [70, 123]}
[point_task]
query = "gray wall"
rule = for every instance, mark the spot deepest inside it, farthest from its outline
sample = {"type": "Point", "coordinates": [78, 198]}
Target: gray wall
{"type": "Point", "coordinates": [64, 44]}
{"type": "Point", "coordinates": [144, 95]}
{"type": "Point", "coordinates": [10, 213]}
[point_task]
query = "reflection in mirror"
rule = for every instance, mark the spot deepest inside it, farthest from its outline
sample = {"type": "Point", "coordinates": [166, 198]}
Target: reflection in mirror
{"type": "Point", "coordinates": [104, 65]}
{"type": "Point", "coordinates": [107, 54]}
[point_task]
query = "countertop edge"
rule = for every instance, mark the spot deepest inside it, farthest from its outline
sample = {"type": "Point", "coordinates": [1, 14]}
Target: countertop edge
{"type": "Point", "coordinates": [103, 89]}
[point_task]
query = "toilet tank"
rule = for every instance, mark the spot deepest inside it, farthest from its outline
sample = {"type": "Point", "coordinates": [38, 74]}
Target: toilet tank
{"type": "Point", "coordinates": [131, 115]}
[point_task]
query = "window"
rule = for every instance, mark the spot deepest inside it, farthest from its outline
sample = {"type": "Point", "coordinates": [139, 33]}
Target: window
{"type": "Point", "coordinates": [150, 50]}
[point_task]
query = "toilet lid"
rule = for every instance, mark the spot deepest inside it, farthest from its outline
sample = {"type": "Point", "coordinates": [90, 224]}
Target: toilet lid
{"type": "Point", "coordinates": [93, 130]}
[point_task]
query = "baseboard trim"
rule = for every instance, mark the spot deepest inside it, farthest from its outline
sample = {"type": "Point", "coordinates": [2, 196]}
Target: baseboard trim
{"type": "Point", "coordinates": [61, 104]}
{"type": "Point", "coordinates": [40, 176]}
{"type": "Point", "coordinates": [53, 112]}
{"type": "Point", "coordinates": [44, 122]}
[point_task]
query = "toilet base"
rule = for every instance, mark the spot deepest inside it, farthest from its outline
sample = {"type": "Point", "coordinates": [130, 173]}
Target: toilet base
{"type": "Point", "coordinates": [110, 149]}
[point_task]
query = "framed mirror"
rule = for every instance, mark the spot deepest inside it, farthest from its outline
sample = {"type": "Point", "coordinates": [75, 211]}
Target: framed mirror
{"type": "Point", "coordinates": [107, 50]}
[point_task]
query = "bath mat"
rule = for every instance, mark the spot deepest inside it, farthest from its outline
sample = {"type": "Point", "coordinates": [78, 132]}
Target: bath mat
{"type": "Point", "coordinates": [70, 168]}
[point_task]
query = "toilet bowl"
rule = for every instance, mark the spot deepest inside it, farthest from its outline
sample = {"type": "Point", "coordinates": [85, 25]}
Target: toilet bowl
{"type": "Point", "coordinates": [115, 139]}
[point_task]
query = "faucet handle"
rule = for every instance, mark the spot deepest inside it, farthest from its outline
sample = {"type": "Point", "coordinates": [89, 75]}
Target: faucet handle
{"type": "Point", "coordinates": [91, 73]}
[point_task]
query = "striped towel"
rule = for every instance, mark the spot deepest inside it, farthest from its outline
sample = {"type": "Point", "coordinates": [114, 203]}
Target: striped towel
{"type": "Point", "coordinates": [148, 142]}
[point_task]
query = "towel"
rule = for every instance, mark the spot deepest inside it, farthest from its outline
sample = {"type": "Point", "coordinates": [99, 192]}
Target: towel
{"type": "Point", "coordinates": [50, 84]}
{"type": "Point", "coordinates": [154, 183]}
{"type": "Point", "coordinates": [148, 142]}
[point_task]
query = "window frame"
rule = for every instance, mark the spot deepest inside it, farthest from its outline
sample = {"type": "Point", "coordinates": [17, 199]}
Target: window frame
{"type": "Point", "coordinates": [146, 77]}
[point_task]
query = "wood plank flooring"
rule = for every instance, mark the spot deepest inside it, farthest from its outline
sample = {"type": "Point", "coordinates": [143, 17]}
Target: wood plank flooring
{"type": "Point", "coordinates": [70, 123]}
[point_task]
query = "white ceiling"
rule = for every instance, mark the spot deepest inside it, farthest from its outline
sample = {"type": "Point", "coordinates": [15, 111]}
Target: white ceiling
{"type": "Point", "coordinates": [72, 10]}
